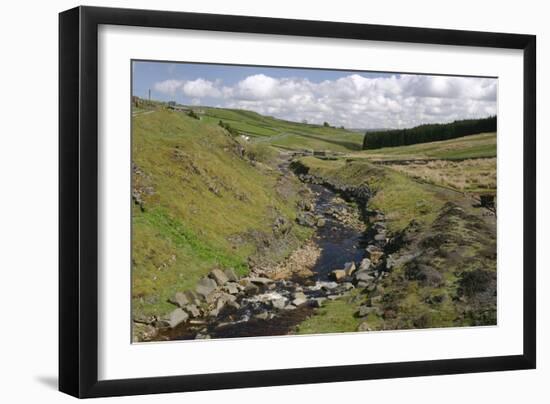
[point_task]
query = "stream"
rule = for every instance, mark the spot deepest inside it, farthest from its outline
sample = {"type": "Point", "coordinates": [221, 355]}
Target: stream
{"type": "Point", "coordinates": [269, 311]}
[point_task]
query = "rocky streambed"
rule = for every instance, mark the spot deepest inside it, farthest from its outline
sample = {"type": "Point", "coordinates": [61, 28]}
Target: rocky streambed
{"type": "Point", "coordinates": [349, 257]}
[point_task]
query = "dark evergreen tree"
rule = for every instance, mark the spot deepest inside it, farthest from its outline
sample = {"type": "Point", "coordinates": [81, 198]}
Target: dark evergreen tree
{"type": "Point", "coordinates": [428, 133]}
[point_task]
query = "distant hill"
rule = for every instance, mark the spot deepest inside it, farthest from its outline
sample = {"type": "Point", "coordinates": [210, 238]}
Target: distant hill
{"type": "Point", "coordinates": [428, 133]}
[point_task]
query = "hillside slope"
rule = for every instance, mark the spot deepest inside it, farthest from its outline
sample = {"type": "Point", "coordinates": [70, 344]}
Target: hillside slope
{"type": "Point", "coordinates": [200, 203]}
{"type": "Point", "coordinates": [286, 134]}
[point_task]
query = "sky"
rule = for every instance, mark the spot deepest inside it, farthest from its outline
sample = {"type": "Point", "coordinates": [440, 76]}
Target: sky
{"type": "Point", "coordinates": [366, 100]}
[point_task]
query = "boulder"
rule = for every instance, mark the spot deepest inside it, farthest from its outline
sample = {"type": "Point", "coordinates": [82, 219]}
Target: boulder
{"type": "Point", "coordinates": [365, 264]}
{"type": "Point", "coordinates": [364, 326]}
{"type": "Point", "coordinates": [376, 256]}
{"type": "Point", "coordinates": [261, 281]}
{"type": "Point", "coordinates": [279, 304]}
{"type": "Point", "coordinates": [317, 302]}
{"type": "Point", "coordinates": [380, 237]}
{"type": "Point", "coordinates": [350, 268]}
{"type": "Point", "coordinates": [231, 288]}
{"type": "Point", "coordinates": [347, 286]}
{"type": "Point", "coordinates": [202, 336]}
{"type": "Point", "coordinates": [231, 275]}
{"type": "Point", "coordinates": [251, 289]}
{"type": "Point", "coordinates": [177, 317]}
{"type": "Point", "coordinates": [364, 276]}
{"type": "Point", "coordinates": [205, 287]}
{"type": "Point", "coordinates": [193, 297]}
{"type": "Point", "coordinates": [233, 305]}
{"type": "Point", "coordinates": [321, 222]}
{"type": "Point", "coordinates": [179, 300]}
{"type": "Point", "coordinates": [192, 310]}
{"type": "Point", "coordinates": [264, 315]}
{"type": "Point", "coordinates": [299, 298]}
{"type": "Point", "coordinates": [338, 275]}
{"type": "Point", "coordinates": [329, 285]}
{"type": "Point", "coordinates": [220, 277]}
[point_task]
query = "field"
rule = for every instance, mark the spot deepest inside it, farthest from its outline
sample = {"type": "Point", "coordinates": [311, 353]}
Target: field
{"type": "Point", "coordinates": [475, 146]}
{"type": "Point", "coordinates": [285, 134]}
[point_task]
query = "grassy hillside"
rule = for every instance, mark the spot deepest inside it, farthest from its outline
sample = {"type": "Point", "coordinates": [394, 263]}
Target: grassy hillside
{"type": "Point", "coordinates": [443, 250]}
{"type": "Point", "coordinates": [475, 146]}
{"type": "Point", "coordinates": [198, 204]}
{"type": "Point", "coordinates": [467, 164]}
{"type": "Point", "coordinates": [285, 134]}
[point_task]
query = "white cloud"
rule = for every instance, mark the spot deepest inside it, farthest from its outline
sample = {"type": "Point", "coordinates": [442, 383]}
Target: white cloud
{"type": "Point", "coordinates": [201, 88]}
{"type": "Point", "coordinates": [168, 86]}
{"type": "Point", "coordinates": [353, 101]}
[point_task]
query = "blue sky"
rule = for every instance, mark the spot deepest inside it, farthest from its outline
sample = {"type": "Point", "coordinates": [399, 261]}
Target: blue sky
{"type": "Point", "coordinates": [147, 74]}
{"type": "Point", "coordinates": [349, 98]}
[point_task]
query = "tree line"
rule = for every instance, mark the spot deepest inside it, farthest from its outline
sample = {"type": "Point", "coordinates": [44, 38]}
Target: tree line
{"type": "Point", "coordinates": [428, 133]}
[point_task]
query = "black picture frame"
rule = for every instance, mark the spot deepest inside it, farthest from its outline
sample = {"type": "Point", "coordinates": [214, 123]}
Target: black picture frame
{"type": "Point", "coordinates": [78, 200]}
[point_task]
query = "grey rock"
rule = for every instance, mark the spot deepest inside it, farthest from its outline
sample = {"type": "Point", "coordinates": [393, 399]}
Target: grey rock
{"type": "Point", "coordinates": [251, 289]}
{"type": "Point", "coordinates": [143, 319]}
{"type": "Point", "coordinates": [338, 275]}
{"type": "Point", "coordinates": [365, 264]}
{"type": "Point", "coordinates": [205, 287]}
{"type": "Point", "coordinates": [329, 285]}
{"type": "Point", "coordinates": [220, 277]}
{"type": "Point", "coordinates": [299, 295]}
{"type": "Point", "coordinates": [193, 310]}
{"type": "Point", "coordinates": [364, 276]}
{"type": "Point", "coordinates": [193, 297]}
{"type": "Point", "coordinates": [231, 275]}
{"type": "Point", "coordinates": [177, 317]}
{"type": "Point", "coordinates": [260, 280]}
{"type": "Point", "coordinates": [347, 286]}
{"type": "Point", "coordinates": [279, 304]}
{"type": "Point", "coordinates": [179, 300]}
{"type": "Point", "coordinates": [350, 268]}
{"type": "Point", "coordinates": [264, 315]}
{"type": "Point", "coordinates": [364, 326]}
{"type": "Point", "coordinates": [321, 222]}
{"type": "Point", "coordinates": [371, 248]}
{"type": "Point", "coordinates": [231, 287]}
{"type": "Point", "coordinates": [202, 336]}
{"type": "Point", "coordinates": [299, 300]}
{"type": "Point", "coordinates": [233, 305]}
{"type": "Point", "coordinates": [290, 307]}
{"type": "Point", "coordinates": [380, 237]}
{"type": "Point", "coordinates": [317, 302]}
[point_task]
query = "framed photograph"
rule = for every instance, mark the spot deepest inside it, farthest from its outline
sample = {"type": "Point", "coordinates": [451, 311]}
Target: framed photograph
{"type": "Point", "coordinates": [251, 201]}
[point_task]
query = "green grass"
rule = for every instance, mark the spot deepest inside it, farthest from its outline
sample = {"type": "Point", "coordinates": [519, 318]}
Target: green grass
{"type": "Point", "coordinates": [334, 316]}
{"type": "Point", "coordinates": [475, 146]}
{"type": "Point", "coordinates": [399, 197]}
{"type": "Point", "coordinates": [204, 206]}
{"type": "Point", "coordinates": [286, 134]}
